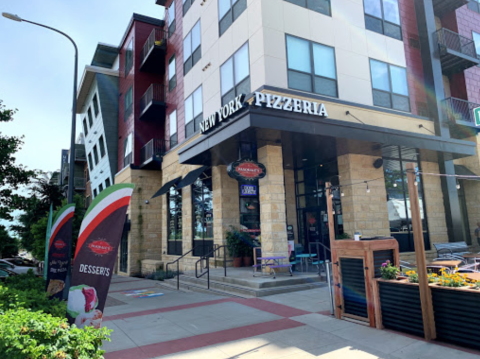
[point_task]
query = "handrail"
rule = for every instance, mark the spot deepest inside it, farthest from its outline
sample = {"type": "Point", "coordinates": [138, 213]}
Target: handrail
{"type": "Point", "coordinates": [178, 265]}
{"type": "Point", "coordinates": [325, 249]}
{"type": "Point", "coordinates": [206, 257]}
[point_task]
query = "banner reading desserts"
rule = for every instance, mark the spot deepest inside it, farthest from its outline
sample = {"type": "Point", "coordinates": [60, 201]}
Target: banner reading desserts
{"type": "Point", "coordinates": [95, 255]}
{"type": "Point", "coordinates": [58, 258]}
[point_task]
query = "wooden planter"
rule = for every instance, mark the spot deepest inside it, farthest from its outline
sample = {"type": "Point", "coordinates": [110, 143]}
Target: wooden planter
{"type": "Point", "coordinates": [400, 306]}
{"type": "Point", "coordinates": [457, 317]}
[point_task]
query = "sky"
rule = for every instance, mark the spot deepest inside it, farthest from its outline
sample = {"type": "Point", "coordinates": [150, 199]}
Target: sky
{"type": "Point", "coordinates": [36, 66]}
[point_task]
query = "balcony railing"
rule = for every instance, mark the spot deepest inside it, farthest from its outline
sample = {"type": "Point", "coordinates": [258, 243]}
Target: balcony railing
{"type": "Point", "coordinates": [442, 7]}
{"type": "Point", "coordinates": [460, 111]}
{"type": "Point", "coordinates": [153, 151]}
{"type": "Point", "coordinates": [152, 103]}
{"type": "Point", "coordinates": [457, 52]}
{"type": "Point", "coordinates": [152, 58]}
{"type": "Point", "coordinates": [127, 160]}
{"type": "Point", "coordinates": [79, 183]}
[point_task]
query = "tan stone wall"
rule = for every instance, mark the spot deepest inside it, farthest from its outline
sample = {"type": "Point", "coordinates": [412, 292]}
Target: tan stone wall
{"type": "Point", "coordinates": [144, 239]}
{"type": "Point", "coordinates": [272, 202]}
{"type": "Point", "coordinates": [291, 201]}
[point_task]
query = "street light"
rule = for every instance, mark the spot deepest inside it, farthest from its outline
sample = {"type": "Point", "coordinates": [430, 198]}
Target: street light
{"type": "Point", "coordinates": [72, 140]}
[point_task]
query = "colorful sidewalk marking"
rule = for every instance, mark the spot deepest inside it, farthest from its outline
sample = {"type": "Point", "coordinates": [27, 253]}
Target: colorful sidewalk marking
{"type": "Point", "coordinates": [142, 293]}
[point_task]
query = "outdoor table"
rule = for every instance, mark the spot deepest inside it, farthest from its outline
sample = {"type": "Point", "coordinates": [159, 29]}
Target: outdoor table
{"type": "Point", "coordinates": [471, 256]}
{"type": "Point", "coordinates": [304, 257]}
{"type": "Point", "coordinates": [472, 276]}
{"type": "Point", "coordinates": [271, 262]}
{"type": "Point", "coordinates": [451, 263]}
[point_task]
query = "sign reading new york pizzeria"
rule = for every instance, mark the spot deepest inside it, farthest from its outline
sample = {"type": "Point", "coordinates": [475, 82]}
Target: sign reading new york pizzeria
{"type": "Point", "coordinates": [222, 114]}
{"type": "Point", "coordinates": [246, 170]}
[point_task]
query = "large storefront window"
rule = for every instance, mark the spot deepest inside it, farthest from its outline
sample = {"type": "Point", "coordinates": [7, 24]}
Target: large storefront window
{"type": "Point", "coordinates": [202, 194]}
{"type": "Point", "coordinates": [174, 201]}
{"type": "Point", "coordinates": [398, 200]}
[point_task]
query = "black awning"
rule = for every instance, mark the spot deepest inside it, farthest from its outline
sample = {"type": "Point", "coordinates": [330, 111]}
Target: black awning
{"type": "Point", "coordinates": [191, 177]}
{"type": "Point", "coordinates": [463, 171]}
{"type": "Point", "coordinates": [166, 187]}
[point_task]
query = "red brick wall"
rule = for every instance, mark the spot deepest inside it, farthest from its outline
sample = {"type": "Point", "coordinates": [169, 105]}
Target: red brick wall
{"type": "Point", "coordinates": [175, 99]}
{"type": "Point", "coordinates": [413, 57]}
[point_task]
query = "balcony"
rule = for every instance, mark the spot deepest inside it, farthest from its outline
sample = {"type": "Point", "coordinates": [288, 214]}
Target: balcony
{"type": "Point", "coordinates": [127, 160]}
{"type": "Point", "coordinates": [442, 7]}
{"type": "Point", "coordinates": [152, 103]}
{"type": "Point", "coordinates": [153, 53]}
{"type": "Point", "coordinates": [151, 154]}
{"type": "Point", "coordinates": [460, 111]}
{"type": "Point", "coordinates": [79, 184]}
{"type": "Point", "coordinates": [457, 53]}
{"type": "Point", "coordinates": [160, 2]}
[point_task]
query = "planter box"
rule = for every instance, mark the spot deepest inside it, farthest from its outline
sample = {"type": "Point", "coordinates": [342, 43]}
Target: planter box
{"type": "Point", "coordinates": [457, 318]}
{"type": "Point", "coordinates": [400, 306]}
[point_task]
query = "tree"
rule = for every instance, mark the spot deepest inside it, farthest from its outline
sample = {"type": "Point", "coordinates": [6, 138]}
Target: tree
{"type": "Point", "coordinates": [12, 176]}
{"type": "Point", "coordinates": [8, 245]}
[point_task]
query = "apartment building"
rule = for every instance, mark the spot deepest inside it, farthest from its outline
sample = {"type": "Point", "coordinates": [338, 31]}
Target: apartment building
{"type": "Point", "coordinates": [79, 183]}
{"type": "Point", "coordinates": [237, 113]}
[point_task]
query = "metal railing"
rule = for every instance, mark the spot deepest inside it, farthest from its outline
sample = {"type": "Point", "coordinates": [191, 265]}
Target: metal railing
{"type": "Point", "coordinates": [154, 147]}
{"type": "Point", "coordinates": [178, 266]}
{"type": "Point", "coordinates": [448, 39]}
{"type": "Point", "coordinates": [328, 272]}
{"type": "Point", "coordinates": [156, 92]}
{"type": "Point", "coordinates": [457, 109]}
{"type": "Point", "coordinates": [157, 37]}
{"type": "Point", "coordinates": [128, 159]}
{"type": "Point", "coordinates": [206, 258]}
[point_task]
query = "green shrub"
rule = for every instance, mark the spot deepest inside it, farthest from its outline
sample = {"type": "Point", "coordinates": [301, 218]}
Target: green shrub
{"type": "Point", "coordinates": [25, 281]}
{"type": "Point", "coordinates": [161, 275]}
{"type": "Point", "coordinates": [30, 335]}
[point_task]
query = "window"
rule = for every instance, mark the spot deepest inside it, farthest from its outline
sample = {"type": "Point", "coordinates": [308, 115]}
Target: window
{"type": "Point", "coordinates": [172, 78]}
{"type": "Point", "coordinates": [235, 75]}
{"type": "Point", "coordinates": [171, 19]}
{"type": "Point", "coordinates": [90, 162]}
{"type": "Point", "coordinates": [85, 128]}
{"type": "Point", "coordinates": [107, 183]}
{"type": "Point", "coordinates": [249, 208]}
{"type": "Point", "coordinates": [173, 129]}
{"type": "Point", "coordinates": [192, 50]}
{"type": "Point", "coordinates": [321, 6]}
{"type": "Point", "coordinates": [398, 201]}
{"type": "Point", "coordinates": [102, 147]}
{"type": "Point", "coordinates": [202, 213]}
{"type": "Point", "coordinates": [174, 201]}
{"type": "Point", "coordinates": [476, 40]}
{"type": "Point", "coordinates": [186, 5]}
{"type": "Point", "coordinates": [96, 109]}
{"type": "Point", "coordinates": [193, 112]}
{"type": "Point", "coordinates": [311, 67]}
{"type": "Point", "coordinates": [95, 154]}
{"type": "Point", "coordinates": [390, 87]}
{"type": "Point", "coordinates": [90, 117]}
{"type": "Point", "coordinates": [128, 57]}
{"type": "Point", "coordinates": [127, 150]}
{"type": "Point", "coordinates": [100, 188]}
{"type": "Point", "coordinates": [383, 16]}
{"type": "Point", "coordinates": [474, 5]}
{"type": "Point", "coordinates": [128, 103]}
{"type": "Point", "coordinates": [228, 12]}
{"type": "Point", "coordinates": [95, 193]}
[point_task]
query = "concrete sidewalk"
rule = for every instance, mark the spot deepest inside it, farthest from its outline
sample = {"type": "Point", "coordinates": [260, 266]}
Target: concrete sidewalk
{"type": "Point", "coordinates": [178, 325]}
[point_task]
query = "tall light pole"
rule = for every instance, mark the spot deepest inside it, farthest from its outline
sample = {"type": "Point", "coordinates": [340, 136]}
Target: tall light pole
{"type": "Point", "coordinates": [72, 139]}
{"type": "Point", "coordinates": [74, 104]}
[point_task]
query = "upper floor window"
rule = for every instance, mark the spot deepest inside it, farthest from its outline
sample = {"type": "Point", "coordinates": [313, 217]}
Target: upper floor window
{"type": "Point", "coordinates": [100, 188]}
{"type": "Point", "coordinates": [107, 183]}
{"type": "Point", "coordinates": [390, 87]}
{"type": "Point", "coordinates": [95, 105]}
{"type": "Point", "coordinates": [172, 77]}
{"type": "Point", "coordinates": [193, 112]}
{"type": "Point", "coordinates": [129, 57]}
{"type": "Point", "coordinates": [186, 5]}
{"type": "Point", "coordinates": [102, 146]}
{"type": "Point", "coordinates": [173, 129]}
{"type": "Point", "coordinates": [128, 103]}
{"type": "Point", "coordinates": [476, 40]}
{"type": "Point", "coordinates": [85, 127]}
{"type": "Point", "coordinates": [95, 154]}
{"type": "Point", "coordinates": [171, 19]}
{"type": "Point", "coordinates": [90, 117]}
{"type": "Point", "coordinates": [474, 5]}
{"type": "Point", "coordinates": [235, 75]}
{"type": "Point", "coordinates": [127, 150]}
{"type": "Point", "coordinates": [192, 49]}
{"type": "Point", "coordinates": [90, 162]}
{"type": "Point", "coordinates": [228, 12]}
{"type": "Point", "coordinates": [383, 16]}
{"type": "Point", "coordinates": [311, 67]}
{"type": "Point", "coordinates": [95, 193]}
{"type": "Point", "coordinates": [321, 6]}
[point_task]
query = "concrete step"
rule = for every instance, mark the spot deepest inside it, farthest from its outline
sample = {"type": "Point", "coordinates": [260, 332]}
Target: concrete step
{"type": "Point", "coordinates": [202, 288]}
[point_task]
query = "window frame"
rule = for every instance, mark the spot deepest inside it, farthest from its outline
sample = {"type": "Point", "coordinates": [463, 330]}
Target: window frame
{"type": "Point", "coordinates": [236, 86]}
{"type": "Point", "coordinates": [383, 21]}
{"type": "Point", "coordinates": [231, 14]}
{"type": "Point", "coordinates": [129, 57]}
{"type": "Point", "coordinates": [187, 7]}
{"type": "Point", "coordinates": [95, 193]}
{"type": "Point", "coordinates": [178, 221]}
{"type": "Point", "coordinates": [208, 176]}
{"type": "Point", "coordinates": [390, 93]}
{"type": "Point", "coordinates": [90, 117]}
{"type": "Point", "coordinates": [172, 80]}
{"type": "Point", "coordinates": [173, 136]}
{"type": "Point", "coordinates": [108, 183]}
{"type": "Point", "coordinates": [296, 2]}
{"type": "Point", "coordinates": [172, 25]}
{"type": "Point", "coordinates": [85, 127]}
{"type": "Point", "coordinates": [128, 157]}
{"type": "Point", "coordinates": [195, 119]}
{"type": "Point", "coordinates": [101, 146]}
{"type": "Point", "coordinates": [100, 187]}
{"type": "Point", "coordinates": [90, 161]}
{"type": "Point", "coordinates": [474, 5]}
{"type": "Point", "coordinates": [95, 155]}
{"type": "Point", "coordinates": [312, 67]}
{"type": "Point", "coordinates": [128, 110]}
{"type": "Point", "coordinates": [192, 60]}
{"type": "Point", "coordinates": [96, 108]}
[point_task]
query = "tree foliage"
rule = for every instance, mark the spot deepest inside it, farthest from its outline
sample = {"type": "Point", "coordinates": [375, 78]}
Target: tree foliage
{"type": "Point", "coordinates": [12, 176]}
{"type": "Point", "coordinates": [8, 244]}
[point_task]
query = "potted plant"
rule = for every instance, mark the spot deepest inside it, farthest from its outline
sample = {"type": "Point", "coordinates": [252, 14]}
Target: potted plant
{"type": "Point", "coordinates": [235, 246]}
{"type": "Point", "coordinates": [389, 271]}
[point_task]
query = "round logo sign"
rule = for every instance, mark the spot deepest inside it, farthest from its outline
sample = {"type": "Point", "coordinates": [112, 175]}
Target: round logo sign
{"type": "Point", "coordinates": [59, 244]}
{"type": "Point", "coordinates": [246, 170]}
{"type": "Point", "coordinates": [100, 247]}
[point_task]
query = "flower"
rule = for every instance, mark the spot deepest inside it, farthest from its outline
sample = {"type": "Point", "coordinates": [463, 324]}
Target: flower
{"type": "Point", "coordinates": [384, 264]}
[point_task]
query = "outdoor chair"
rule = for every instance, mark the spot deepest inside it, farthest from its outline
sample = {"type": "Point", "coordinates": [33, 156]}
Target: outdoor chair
{"type": "Point", "coordinates": [470, 268]}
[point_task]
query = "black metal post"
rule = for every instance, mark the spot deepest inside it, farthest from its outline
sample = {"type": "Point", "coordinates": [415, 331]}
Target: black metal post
{"type": "Point", "coordinates": [225, 260]}
{"type": "Point", "coordinates": [178, 276]}
{"type": "Point", "coordinates": [208, 273]}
